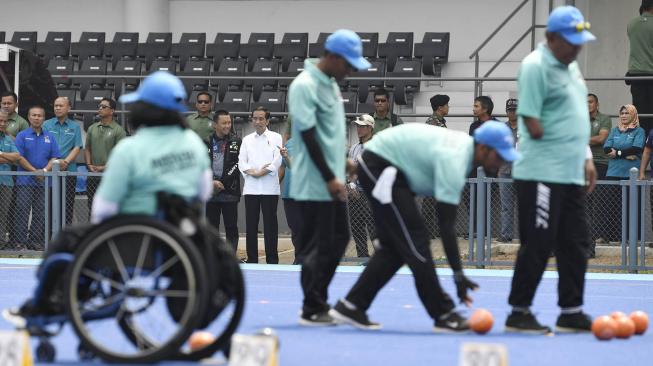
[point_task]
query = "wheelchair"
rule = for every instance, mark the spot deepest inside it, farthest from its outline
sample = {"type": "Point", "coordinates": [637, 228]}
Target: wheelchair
{"type": "Point", "coordinates": [136, 287]}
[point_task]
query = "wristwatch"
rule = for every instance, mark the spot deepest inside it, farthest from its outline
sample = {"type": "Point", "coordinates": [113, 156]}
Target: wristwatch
{"type": "Point", "coordinates": [618, 152]}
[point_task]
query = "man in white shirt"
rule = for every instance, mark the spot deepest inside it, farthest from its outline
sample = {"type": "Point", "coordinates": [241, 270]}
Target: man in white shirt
{"type": "Point", "coordinates": [259, 161]}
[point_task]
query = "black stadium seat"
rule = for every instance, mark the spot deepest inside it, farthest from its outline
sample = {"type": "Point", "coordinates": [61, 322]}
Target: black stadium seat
{"type": "Point", "coordinates": [56, 45]}
{"type": "Point", "coordinates": [71, 94]}
{"type": "Point", "coordinates": [163, 65]}
{"type": "Point", "coordinates": [90, 102]}
{"type": "Point", "coordinates": [123, 47]}
{"type": "Point", "coordinates": [377, 69]}
{"type": "Point", "coordinates": [404, 68]}
{"type": "Point", "coordinates": [61, 66]}
{"type": "Point", "coordinates": [235, 101]}
{"type": "Point", "coordinates": [225, 46]}
{"type": "Point", "coordinates": [349, 100]}
{"type": "Point", "coordinates": [190, 47]}
{"type": "Point", "coordinates": [293, 47]}
{"type": "Point", "coordinates": [294, 69]}
{"type": "Point", "coordinates": [91, 67]}
{"type": "Point", "coordinates": [399, 45]}
{"type": "Point", "coordinates": [156, 47]}
{"type": "Point", "coordinates": [370, 44]}
{"type": "Point", "coordinates": [274, 101]}
{"type": "Point", "coordinates": [235, 68]}
{"type": "Point", "coordinates": [24, 40]}
{"type": "Point", "coordinates": [90, 45]}
{"type": "Point", "coordinates": [317, 49]}
{"type": "Point", "coordinates": [434, 51]}
{"type": "Point", "coordinates": [263, 68]}
{"type": "Point", "coordinates": [196, 68]}
{"type": "Point", "coordinates": [2, 37]}
{"type": "Point", "coordinates": [259, 46]}
{"type": "Point", "coordinates": [125, 67]}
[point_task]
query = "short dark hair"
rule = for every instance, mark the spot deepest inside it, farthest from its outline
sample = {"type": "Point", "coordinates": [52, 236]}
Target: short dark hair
{"type": "Point", "coordinates": [204, 93]}
{"type": "Point", "coordinates": [596, 99]}
{"type": "Point", "coordinates": [36, 106]}
{"type": "Point", "coordinates": [381, 91]}
{"type": "Point", "coordinates": [112, 103]}
{"type": "Point", "coordinates": [262, 109]}
{"type": "Point", "coordinates": [9, 94]}
{"type": "Point", "coordinates": [486, 103]}
{"type": "Point", "coordinates": [146, 114]}
{"type": "Point", "coordinates": [218, 113]}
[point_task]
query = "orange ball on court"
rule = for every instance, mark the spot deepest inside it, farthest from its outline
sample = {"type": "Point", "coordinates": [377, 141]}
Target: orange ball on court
{"type": "Point", "coordinates": [617, 314]}
{"type": "Point", "coordinates": [625, 327]}
{"type": "Point", "coordinates": [604, 327]}
{"type": "Point", "coordinates": [640, 319]}
{"type": "Point", "coordinates": [200, 339]}
{"type": "Point", "coordinates": [481, 321]}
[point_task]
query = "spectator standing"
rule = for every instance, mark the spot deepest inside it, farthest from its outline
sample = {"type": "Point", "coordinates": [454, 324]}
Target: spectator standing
{"type": "Point", "coordinates": [68, 135]}
{"type": "Point", "coordinates": [224, 148]}
{"type": "Point", "coordinates": [101, 138]}
{"type": "Point", "coordinates": [259, 161]}
{"type": "Point", "coordinates": [382, 116]}
{"type": "Point", "coordinates": [440, 106]}
{"type": "Point", "coordinates": [640, 62]}
{"type": "Point", "coordinates": [202, 120]}
{"type": "Point", "coordinates": [290, 206]}
{"type": "Point", "coordinates": [482, 110]}
{"type": "Point", "coordinates": [9, 103]}
{"type": "Point", "coordinates": [507, 191]}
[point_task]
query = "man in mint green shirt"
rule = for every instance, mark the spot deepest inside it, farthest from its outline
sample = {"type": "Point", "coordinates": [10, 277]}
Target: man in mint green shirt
{"type": "Point", "coordinates": [640, 62]}
{"type": "Point", "coordinates": [420, 159]}
{"type": "Point", "coordinates": [318, 127]}
{"type": "Point", "coordinates": [68, 135]}
{"type": "Point", "coordinates": [552, 174]}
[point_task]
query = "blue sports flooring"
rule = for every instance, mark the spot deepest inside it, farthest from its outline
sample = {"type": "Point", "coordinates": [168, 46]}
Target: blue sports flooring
{"type": "Point", "coordinates": [274, 300]}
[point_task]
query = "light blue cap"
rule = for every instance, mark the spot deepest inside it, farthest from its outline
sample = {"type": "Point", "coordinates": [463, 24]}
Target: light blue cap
{"type": "Point", "coordinates": [570, 24]}
{"type": "Point", "coordinates": [161, 89]}
{"type": "Point", "coordinates": [348, 45]}
{"type": "Point", "coordinates": [498, 136]}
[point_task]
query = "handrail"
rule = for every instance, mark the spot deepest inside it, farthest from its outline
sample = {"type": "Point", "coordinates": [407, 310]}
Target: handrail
{"type": "Point", "coordinates": [514, 45]}
{"type": "Point", "coordinates": [508, 18]}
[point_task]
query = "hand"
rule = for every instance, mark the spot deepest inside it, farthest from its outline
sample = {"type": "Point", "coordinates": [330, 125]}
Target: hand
{"type": "Point", "coordinates": [352, 168]}
{"type": "Point", "coordinates": [337, 190]}
{"type": "Point", "coordinates": [91, 168]}
{"type": "Point", "coordinates": [590, 176]}
{"type": "Point", "coordinates": [261, 172]}
{"type": "Point", "coordinates": [462, 285]}
{"type": "Point", "coordinates": [353, 192]}
{"type": "Point", "coordinates": [612, 154]}
{"type": "Point", "coordinates": [284, 152]}
{"type": "Point", "coordinates": [218, 186]}
{"type": "Point", "coordinates": [99, 168]}
{"type": "Point", "coordinates": [642, 176]}
{"type": "Point", "coordinates": [63, 164]}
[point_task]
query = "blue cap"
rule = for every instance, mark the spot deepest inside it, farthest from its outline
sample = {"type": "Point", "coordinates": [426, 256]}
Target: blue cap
{"type": "Point", "coordinates": [348, 45]}
{"type": "Point", "coordinates": [570, 24]}
{"type": "Point", "coordinates": [161, 89]}
{"type": "Point", "coordinates": [498, 136]}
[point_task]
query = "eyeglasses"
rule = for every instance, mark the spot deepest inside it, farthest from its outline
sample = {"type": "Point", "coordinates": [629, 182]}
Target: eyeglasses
{"type": "Point", "coordinates": [380, 100]}
{"type": "Point", "coordinates": [203, 101]}
{"type": "Point", "coordinates": [582, 26]}
{"type": "Point", "coordinates": [103, 106]}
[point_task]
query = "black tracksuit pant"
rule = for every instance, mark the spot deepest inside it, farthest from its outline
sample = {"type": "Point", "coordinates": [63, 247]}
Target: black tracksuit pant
{"type": "Point", "coordinates": [266, 204]}
{"type": "Point", "coordinates": [403, 238]}
{"type": "Point", "coordinates": [551, 218]}
{"type": "Point", "coordinates": [229, 213]}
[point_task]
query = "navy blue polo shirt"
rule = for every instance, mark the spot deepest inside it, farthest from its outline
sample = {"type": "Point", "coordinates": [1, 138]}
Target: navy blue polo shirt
{"type": "Point", "coordinates": [38, 149]}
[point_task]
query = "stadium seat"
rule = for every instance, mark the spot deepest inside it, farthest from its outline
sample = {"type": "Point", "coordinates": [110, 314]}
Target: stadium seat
{"type": "Point", "coordinates": [235, 68]}
{"type": "Point", "coordinates": [434, 51]}
{"type": "Point", "coordinates": [123, 47]}
{"type": "Point", "coordinates": [90, 102]}
{"type": "Point", "coordinates": [274, 101]}
{"type": "Point", "coordinates": [370, 44]}
{"type": "Point", "coordinates": [156, 47]}
{"type": "Point", "coordinates": [56, 45]}
{"type": "Point", "coordinates": [125, 67]}
{"type": "Point", "coordinates": [163, 65]}
{"type": "Point", "coordinates": [91, 67]}
{"type": "Point", "coordinates": [235, 101]}
{"type": "Point", "coordinates": [367, 106]}
{"type": "Point", "coordinates": [399, 45]}
{"type": "Point", "coordinates": [349, 100]}
{"type": "Point", "coordinates": [263, 68]}
{"type": "Point", "coordinates": [90, 45]}
{"type": "Point", "coordinates": [293, 47]}
{"type": "Point", "coordinates": [316, 49]}
{"type": "Point", "coordinates": [71, 94]}
{"type": "Point", "coordinates": [196, 68]}
{"type": "Point", "coordinates": [61, 66]}
{"type": "Point", "coordinates": [190, 47]}
{"type": "Point", "coordinates": [24, 40]}
{"type": "Point", "coordinates": [225, 46]}
{"type": "Point", "coordinates": [294, 69]}
{"type": "Point", "coordinates": [259, 45]}
{"type": "Point", "coordinates": [192, 97]}
{"type": "Point", "coordinates": [2, 37]}
{"type": "Point", "coordinates": [404, 68]}
{"type": "Point", "coordinates": [363, 87]}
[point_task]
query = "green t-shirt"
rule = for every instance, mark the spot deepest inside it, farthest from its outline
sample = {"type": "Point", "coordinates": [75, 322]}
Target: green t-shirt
{"type": "Point", "coordinates": [136, 171]}
{"type": "Point", "coordinates": [15, 124]}
{"type": "Point", "coordinates": [601, 122]}
{"type": "Point", "coordinates": [556, 95]}
{"type": "Point", "coordinates": [101, 139]}
{"type": "Point", "coordinates": [203, 126]}
{"type": "Point", "coordinates": [314, 101]}
{"type": "Point", "coordinates": [640, 35]}
{"type": "Point", "coordinates": [435, 160]}
{"type": "Point", "coordinates": [381, 124]}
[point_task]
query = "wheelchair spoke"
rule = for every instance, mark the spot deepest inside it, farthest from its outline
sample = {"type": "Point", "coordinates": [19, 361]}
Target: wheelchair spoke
{"type": "Point", "coordinates": [141, 342]}
{"type": "Point", "coordinates": [100, 278]}
{"type": "Point", "coordinates": [168, 293]}
{"type": "Point", "coordinates": [141, 255]}
{"type": "Point", "coordinates": [108, 301]}
{"type": "Point", "coordinates": [164, 267]}
{"type": "Point", "coordinates": [119, 263]}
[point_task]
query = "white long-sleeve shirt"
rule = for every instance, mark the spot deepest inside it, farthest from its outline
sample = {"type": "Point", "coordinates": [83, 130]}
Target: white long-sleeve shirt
{"type": "Point", "coordinates": [256, 151]}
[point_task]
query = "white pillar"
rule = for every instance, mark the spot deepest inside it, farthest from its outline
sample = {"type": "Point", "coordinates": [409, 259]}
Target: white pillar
{"type": "Point", "coordinates": [145, 16]}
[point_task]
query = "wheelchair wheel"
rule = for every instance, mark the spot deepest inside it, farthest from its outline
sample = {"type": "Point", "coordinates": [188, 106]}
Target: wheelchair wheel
{"type": "Point", "coordinates": [120, 286]}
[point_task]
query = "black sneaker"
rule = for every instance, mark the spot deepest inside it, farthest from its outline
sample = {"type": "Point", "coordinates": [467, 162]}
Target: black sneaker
{"type": "Point", "coordinates": [451, 323]}
{"type": "Point", "coordinates": [321, 319]}
{"type": "Point", "coordinates": [525, 322]}
{"type": "Point", "coordinates": [342, 314]}
{"type": "Point", "coordinates": [574, 323]}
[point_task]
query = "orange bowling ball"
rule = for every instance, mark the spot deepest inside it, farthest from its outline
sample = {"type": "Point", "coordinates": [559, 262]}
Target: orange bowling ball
{"type": "Point", "coordinates": [617, 314]}
{"type": "Point", "coordinates": [481, 321]}
{"type": "Point", "coordinates": [604, 327]}
{"type": "Point", "coordinates": [640, 319]}
{"type": "Point", "coordinates": [625, 327]}
{"type": "Point", "coordinates": [200, 339]}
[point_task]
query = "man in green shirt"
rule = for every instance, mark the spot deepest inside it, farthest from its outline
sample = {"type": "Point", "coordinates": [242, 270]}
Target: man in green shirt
{"type": "Point", "coordinates": [16, 123]}
{"type": "Point", "coordinates": [553, 174]}
{"type": "Point", "coordinates": [101, 138]}
{"type": "Point", "coordinates": [640, 62]}
{"type": "Point", "coordinates": [319, 163]}
{"type": "Point", "coordinates": [382, 116]}
{"type": "Point", "coordinates": [202, 121]}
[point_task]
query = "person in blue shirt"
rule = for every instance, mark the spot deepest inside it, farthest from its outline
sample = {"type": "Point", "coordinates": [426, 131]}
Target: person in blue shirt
{"type": "Point", "coordinates": [290, 206]}
{"type": "Point", "coordinates": [68, 134]}
{"type": "Point", "coordinates": [40, 149]}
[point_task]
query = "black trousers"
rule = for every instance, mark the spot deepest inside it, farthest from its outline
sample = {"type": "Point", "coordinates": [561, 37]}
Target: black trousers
{"type": "Point", "coordinates": [71, 182]}
{"type": "Point", "coordinates": [254, 205]}
{"type": "Point", "coordinates": [642, 93]}
{"type": "Point", "coordinates": [229, 212]}
{"type": "Point", "coordinates": [295, 221]}
{"type": "Point", "coordinates": [324, 237]}
{"type": "Point", "coordinates": [403, 239]}
{"type": "Point", "coordinates": [551, 218]}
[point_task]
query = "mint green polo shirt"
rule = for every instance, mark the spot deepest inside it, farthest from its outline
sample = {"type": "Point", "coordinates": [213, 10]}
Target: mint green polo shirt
{"type": "Point", "coordinates": [556, 95]}
{"type": "Point", "coordinates": [314, 100]}
{"type": "Point", "coordinates": [7, 145]}
{"type": "Point", "coordinates": [436, 161]}
{"type": "Point", "coordinates": [640, 35]}
{"type": "Point", "coordinates": [68, 136]}
{"type": "Point", "coordinates": [168, 159]}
